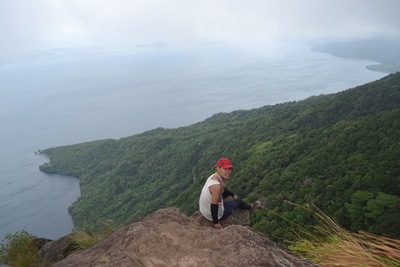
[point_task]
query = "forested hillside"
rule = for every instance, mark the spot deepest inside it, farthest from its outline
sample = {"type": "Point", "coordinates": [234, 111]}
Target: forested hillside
{"type": "Point", "coordinates": [340, 152]}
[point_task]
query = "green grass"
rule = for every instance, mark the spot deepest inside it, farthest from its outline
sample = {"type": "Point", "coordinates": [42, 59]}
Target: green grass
{"type": "Point", "coordinates": [19, 250]}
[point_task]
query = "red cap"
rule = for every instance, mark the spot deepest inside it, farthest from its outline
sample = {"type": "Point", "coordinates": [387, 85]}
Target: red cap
{"type": "Point", "coordinates": [224, 163]}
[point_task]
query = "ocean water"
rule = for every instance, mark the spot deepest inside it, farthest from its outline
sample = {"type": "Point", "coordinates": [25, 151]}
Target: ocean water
{"type": "Point", "coordinates": [78, 95]}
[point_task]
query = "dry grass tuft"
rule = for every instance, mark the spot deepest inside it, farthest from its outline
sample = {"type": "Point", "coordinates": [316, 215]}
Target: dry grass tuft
{"type": "Point", "coordinates": [331, 245]}
{"type": "Point", "coordinates": [81, 239]}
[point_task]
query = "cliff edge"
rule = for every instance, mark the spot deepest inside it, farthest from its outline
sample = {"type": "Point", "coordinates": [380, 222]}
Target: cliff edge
{"type": "Point", "coordinates": [170, 238]}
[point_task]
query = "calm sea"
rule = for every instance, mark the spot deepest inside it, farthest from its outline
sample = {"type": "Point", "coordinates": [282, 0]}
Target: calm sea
{"type": "Point", "coordinates": [77, 95]}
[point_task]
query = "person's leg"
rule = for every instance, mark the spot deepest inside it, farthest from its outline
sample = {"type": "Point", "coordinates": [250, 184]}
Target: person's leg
{"type": "Point", "coordinates": [241, 204]}
{"type": "Point", "coordinates": [229, 207]}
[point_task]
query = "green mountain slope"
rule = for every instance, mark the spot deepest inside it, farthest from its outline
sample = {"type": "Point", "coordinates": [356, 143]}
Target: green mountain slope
{"type": "Point", "coordinates": [338, 151]}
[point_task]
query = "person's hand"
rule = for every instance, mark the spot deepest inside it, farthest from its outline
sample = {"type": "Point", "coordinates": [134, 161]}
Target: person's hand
{"type": "Point", "coordinates": [217, 226]}
{"type": "Point", "coordinates": [235, 196]}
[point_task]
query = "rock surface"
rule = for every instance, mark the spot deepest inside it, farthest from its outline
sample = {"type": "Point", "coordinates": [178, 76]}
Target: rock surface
{"type": "Point", "coordinates": [170, 238]}
{"type": "Point", "coordinates": [56, 250]}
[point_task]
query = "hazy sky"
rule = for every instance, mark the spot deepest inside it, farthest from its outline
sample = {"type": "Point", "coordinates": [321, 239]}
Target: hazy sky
{"type": "Point", "coordinates": [40, 24]}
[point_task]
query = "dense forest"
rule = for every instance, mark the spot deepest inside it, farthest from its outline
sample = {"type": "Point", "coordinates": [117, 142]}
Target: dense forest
{"type": "Point", "coordinates": [339, 152]}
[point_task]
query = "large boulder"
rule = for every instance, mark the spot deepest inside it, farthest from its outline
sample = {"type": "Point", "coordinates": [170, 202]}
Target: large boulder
{"type": "Point", "coordinates": [55, 250]}
{"type": "Point", "coordinates": [170, 238]}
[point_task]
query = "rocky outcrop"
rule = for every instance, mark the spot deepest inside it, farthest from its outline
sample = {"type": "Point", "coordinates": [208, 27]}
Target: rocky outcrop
{"type": "Point", "coordinates": [170, 238]}
{"type": "Point", "coordinates": [55, 250]}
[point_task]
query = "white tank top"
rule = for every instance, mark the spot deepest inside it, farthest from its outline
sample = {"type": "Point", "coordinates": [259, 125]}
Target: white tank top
{"type": "Point", "coordinates": [205, 200]}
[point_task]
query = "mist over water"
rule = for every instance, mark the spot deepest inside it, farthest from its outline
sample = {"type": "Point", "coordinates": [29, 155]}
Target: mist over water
{"type": "Point", "coordinates": [73, 96]}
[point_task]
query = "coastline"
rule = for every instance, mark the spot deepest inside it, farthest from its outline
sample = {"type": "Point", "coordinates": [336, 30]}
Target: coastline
{"type": "Point", "coordinates": [386, 52]}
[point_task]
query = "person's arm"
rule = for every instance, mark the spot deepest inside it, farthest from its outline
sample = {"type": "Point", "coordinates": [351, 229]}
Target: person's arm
{"type": "Point", "coordinates": [215, 198]}
{"type": "Point", "coordinates": [227, 193]}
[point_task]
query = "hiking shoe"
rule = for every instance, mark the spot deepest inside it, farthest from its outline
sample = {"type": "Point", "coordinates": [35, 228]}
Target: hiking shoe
{"type": "Point", "coordinates": [256, 205]}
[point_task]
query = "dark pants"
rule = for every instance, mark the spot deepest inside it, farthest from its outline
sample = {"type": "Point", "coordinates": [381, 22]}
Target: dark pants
{"type": "Point", "coordinates": [231, 205]}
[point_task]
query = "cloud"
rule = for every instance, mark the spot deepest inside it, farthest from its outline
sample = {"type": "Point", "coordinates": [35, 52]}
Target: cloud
{"type": "Point", "coordinates": [22, 25]}
{"type": "Point", "coordinates": [26, 24]}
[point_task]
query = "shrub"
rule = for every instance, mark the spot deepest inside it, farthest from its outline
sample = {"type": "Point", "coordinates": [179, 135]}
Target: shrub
{"type": "Point", "coordinates": [19, 250]}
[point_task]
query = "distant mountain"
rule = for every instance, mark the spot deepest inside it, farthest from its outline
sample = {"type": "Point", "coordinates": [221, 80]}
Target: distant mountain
{"type": "Point", "coordinates": [384, 51]}
{"type": "Point", "coordinates": [338, 151]}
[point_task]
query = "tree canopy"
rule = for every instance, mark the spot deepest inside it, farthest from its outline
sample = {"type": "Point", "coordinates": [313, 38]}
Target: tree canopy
{"type": "Point", "coordinates": [339, 152]}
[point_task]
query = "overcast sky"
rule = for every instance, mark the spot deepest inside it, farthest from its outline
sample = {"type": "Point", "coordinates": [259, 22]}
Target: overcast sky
{"type": "Point", "coordinates": [42, 24]}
